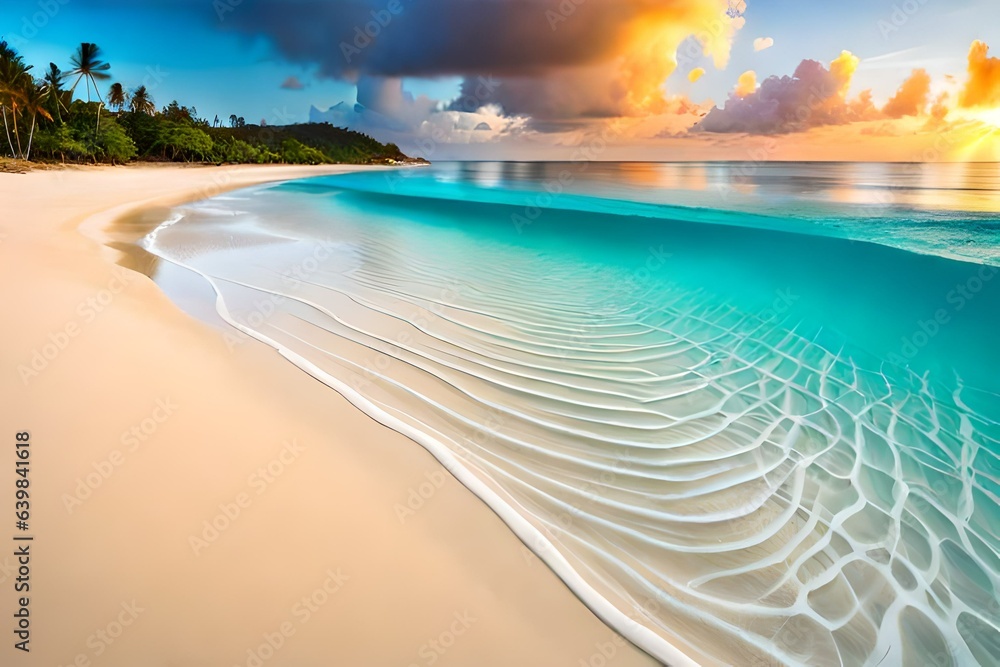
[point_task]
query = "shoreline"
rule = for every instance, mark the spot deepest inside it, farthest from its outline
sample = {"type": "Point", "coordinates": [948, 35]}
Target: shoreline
{"type": "Point", "coordinates": [138, 363]}
{"type": "Point", "coordinates": [484, 489]}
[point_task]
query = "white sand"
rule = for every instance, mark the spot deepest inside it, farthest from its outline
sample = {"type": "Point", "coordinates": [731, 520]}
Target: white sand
{"type": "Point", "coordinates": [449, 586]}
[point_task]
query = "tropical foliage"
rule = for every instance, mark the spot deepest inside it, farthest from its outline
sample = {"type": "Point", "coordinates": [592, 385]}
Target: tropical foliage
{"type": "Point", "coordinates": [48, 118]}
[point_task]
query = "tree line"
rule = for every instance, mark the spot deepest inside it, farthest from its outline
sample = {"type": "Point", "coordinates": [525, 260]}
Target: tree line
{"type": "Point", "coordinates": [49, 119]}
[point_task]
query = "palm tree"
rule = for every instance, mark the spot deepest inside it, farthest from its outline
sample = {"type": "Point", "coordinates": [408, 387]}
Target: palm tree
{"type": "Point", "coordinates": [142, 102]}
{"type": "Point", "coordinates": [117, 97]}
{"type": "Point", "coordinates": [53, 89]}
{"type": "Point", "coordinates": [34, 101]}
{"type": "Point", "coordinates": [14, 78]}
{"type": "Point", "coordinates": [87, 64]}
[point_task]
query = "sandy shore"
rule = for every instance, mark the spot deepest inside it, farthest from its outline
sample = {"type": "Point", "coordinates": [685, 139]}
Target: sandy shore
{"type": "Point", "coordinates": [147, 429]}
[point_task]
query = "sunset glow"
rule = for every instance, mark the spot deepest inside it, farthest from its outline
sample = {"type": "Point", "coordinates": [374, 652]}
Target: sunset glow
{"type": "Point", "coordinates": [579, 69]}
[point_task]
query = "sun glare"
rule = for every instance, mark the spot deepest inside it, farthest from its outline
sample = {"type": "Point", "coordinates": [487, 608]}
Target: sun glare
{"type": "Point", "coordinates": [989, 116]}
{"type": "Point", "coordinates": [983, 140]}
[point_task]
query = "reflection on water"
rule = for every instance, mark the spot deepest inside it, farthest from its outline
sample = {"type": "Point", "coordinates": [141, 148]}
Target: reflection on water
{"type": "Point", "coordinates": [873, 189]}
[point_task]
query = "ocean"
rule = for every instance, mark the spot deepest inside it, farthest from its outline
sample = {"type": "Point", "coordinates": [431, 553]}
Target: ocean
{"type": "Point", "coordinates": [748, 412]}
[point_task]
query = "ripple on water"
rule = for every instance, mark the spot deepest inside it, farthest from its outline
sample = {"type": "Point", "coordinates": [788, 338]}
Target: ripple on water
{"type": "Point", "coordinates": [728, 479]}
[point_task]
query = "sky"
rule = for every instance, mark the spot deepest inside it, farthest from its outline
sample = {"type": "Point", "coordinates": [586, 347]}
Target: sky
{"type": "Point", "coordinates": [901, 80]}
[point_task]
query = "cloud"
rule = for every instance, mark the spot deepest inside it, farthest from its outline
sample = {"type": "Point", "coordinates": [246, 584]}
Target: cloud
{"type": "Point", "coordinates": [813, 96]}
{"type": "Point", "coordinates": [762, 43]}
{"type": "Point", "coordinates": [746, 84]}
{"type": "Point", "coordinates": [940, 110]}
{"type": "Point", "coordinates": [292, 83]}
{"type": "Point", "coordinates": [843, 68]}
{"type": "Point", "coordinates": [449, 37]}
{"type": "Point", "coordinates": [696, 74]}
{"type": "Point", "coordinates": [419, 125]}
{"type": "Point", "coordinates": [983, 85]}
{"type": "Point", "coordinates": [911, 98]}
{"type": "Point", "coordinates": [604, 58]}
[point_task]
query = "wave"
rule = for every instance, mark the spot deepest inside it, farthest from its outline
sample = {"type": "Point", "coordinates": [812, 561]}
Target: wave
{"type": "Point", "coordinates": [725, 473]}
{"type": "Point", "coordinates": [971, 236]}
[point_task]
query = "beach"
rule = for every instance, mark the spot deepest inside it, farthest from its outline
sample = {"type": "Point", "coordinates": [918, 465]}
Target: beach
{"type": "Point", "coordinates": [593, 334]}
{"type": "Point", "coordinates": [198, 502]}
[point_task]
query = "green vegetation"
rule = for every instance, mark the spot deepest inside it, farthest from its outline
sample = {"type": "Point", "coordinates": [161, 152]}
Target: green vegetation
{"type": "Point", "coordinates": [42, 121]}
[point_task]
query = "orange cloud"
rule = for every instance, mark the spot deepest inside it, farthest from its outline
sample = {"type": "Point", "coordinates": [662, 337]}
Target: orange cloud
{"type": "Point", "coordinates": [746, 84]}
{"type": "Point", "coordinates": [626, 77]}
{"type": "Point", "coordinates": [911, 97]}
{"type": "Point", "coordinates": [940, 109]}
{"type": "Point", "coordinates": [696, 74]}
{"type": "Point", "coordinates": [843, 68]}
{"type": "Point", "coordinates": [983, 85]}
{"type": "Point", "coordinates": [861, 108]}
{"type": "Point", "coordinates": [762, 43]}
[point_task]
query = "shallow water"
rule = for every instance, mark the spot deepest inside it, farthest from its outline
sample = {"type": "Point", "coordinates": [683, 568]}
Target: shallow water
{"type": "Point", "coordinates": [746, 411]}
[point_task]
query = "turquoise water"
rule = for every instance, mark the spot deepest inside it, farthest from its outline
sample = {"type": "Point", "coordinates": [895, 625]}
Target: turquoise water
{"type": "Point", "coordinates": [749, 413]}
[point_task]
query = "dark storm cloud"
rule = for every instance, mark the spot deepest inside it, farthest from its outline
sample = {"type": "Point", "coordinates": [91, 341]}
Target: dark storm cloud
{"type": "Point", "coordinates": [445, 37]}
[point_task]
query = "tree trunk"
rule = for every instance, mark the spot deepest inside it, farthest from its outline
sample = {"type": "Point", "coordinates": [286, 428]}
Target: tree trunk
{"type": "Point", "coordinates": [31, 135]}
{"type": "Point", "coordinates": [17, 137]}
{"type": "Point", "coordinates": [9, 142]}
